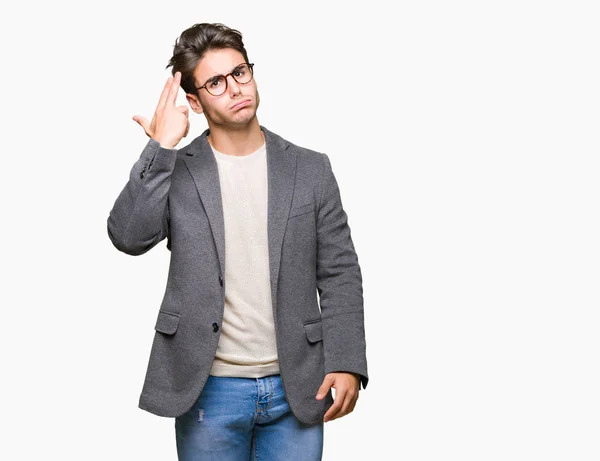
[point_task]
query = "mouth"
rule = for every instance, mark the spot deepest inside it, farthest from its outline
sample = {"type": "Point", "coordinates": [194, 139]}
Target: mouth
{"type": "Point", "coordinates": [241, 104]}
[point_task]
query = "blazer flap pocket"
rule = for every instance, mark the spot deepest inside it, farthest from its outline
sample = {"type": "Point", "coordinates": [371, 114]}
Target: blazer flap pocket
{"type": "Point", "coordinates": [314, 331]}
{"type": "Point", "coordinates": [301, 209]}
{"type": "Point", "coordinates": [167, 322]}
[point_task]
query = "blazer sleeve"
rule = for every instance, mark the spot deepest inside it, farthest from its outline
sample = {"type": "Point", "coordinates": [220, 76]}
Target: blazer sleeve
{"type": "Point", "coordinates": [139, 218]}
{"type": "Point", "coordinates": [339, 284]}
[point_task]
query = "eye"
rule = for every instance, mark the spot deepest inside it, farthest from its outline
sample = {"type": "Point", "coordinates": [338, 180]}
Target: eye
{"type": "Point", "coordinates": [215, 82]}
{"type": "Point", "coordinates": [240, 71]}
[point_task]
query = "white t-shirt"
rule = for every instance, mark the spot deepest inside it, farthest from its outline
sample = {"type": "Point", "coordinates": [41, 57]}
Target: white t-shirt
{"type": "Point", "coordinates": [247, 345]}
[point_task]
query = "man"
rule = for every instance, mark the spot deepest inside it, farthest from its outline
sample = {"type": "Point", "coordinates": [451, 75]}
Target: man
{"type": "Point", "coordinates": [244, 356]}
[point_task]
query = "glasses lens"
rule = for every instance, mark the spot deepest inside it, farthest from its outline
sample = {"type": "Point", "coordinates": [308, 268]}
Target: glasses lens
{"type": "Point", "coordinates": [242, 74]}
{"type": "Point", "coordinates": [216, 86]}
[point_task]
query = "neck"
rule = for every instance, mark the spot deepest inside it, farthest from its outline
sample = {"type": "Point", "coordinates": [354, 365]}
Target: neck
{"type": "Point", "coordinates": [242, 141]}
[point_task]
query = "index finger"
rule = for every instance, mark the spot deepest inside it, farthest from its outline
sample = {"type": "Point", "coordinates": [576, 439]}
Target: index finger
{"type": "Point", "coordinates": [335, 408]}
{"type": "Point", "coordinates": [164, 94]}
{"type": "Point", "coordinates": [174, 88]}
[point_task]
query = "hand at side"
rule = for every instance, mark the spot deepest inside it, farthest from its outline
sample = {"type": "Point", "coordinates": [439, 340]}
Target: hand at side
{"type": "Point", "coordinates": [346, 387]}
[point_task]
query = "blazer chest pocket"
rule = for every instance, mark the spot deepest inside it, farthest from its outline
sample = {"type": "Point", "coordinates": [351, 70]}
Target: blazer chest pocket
{"type": "Point", "coordinates": [167, 322]}
{"type": "Point", "coordinates": [314, 331]}
{"type": "Point", "coordinates": [301, 210]}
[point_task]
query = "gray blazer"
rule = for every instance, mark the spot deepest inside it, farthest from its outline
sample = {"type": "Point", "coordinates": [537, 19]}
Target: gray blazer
{"type": "Point", "coordinates": [176, 194]}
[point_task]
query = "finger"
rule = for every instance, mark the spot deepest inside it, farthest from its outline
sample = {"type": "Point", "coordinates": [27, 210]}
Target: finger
{"type": "Point", "coordinates": [324, 389]}
{"type": "Point", "coordinates": [354, 400]}
{"type": "Point", "coordinates": [142, 121]}
{"type": "Point", "coordinates": [174, 88]}
{"type": "Point", "coordinates": [163, 96]}
{"type": "Point", "coordinates": [347, 405]}
{"type": "Point", "coordinates": [333, 411]}
{"type": "Point", "coordinates": [187, 130]}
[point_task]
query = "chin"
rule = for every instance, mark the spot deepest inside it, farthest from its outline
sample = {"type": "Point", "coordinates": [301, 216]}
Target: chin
{"type": "Point", "coordinates": [244, 119]}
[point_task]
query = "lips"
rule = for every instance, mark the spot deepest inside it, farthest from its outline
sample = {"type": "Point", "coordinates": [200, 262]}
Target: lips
{"type": "Point", "coordinates": [241, 104]}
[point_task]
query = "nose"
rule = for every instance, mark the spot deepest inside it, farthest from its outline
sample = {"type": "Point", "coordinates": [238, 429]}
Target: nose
{"type": "Point", "coordinates": [234, 87]}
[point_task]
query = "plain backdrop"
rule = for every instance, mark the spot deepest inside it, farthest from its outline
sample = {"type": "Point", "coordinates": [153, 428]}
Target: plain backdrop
{"type": "Point", "coordinates": [464, 138]}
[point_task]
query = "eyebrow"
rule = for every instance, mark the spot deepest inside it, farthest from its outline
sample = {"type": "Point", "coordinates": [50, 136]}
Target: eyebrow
{"type": "Point", "coordinates": [220, 75]}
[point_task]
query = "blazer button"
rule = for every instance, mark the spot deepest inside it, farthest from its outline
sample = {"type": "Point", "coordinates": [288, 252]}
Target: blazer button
{"type": "Point", "coordinates": [220, 280]}
{"type": "Point", "coordinates": [215, 327]}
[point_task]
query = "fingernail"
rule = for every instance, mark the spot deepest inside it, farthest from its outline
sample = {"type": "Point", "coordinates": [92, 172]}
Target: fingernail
{"type": "Point", "coordinates": [319, 396]}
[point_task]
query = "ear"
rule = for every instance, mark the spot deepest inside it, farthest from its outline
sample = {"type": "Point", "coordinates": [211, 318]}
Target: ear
{"type": "Point", "coordinates": [194, 103]}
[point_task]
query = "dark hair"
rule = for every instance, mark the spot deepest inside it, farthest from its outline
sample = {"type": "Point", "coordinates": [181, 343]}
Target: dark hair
{"type": "Point", "coordinates": [192, 45]}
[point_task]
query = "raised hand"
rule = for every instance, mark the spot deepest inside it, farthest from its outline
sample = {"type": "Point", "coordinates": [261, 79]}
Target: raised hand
{"type": "Point", "coordinates": [170, 123]}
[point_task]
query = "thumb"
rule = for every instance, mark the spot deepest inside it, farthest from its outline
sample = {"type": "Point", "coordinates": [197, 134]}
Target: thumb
{"type": "Point", "coordinates": [142, 121]}
{"type": "Point", "coordinates": [324, 389]}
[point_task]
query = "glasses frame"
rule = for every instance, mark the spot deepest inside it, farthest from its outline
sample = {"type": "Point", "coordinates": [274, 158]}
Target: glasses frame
{"type": "Point", "coordinates": [250, 66]}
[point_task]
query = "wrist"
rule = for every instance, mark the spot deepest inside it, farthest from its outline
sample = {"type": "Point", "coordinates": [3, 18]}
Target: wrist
{"type": "Point", "coordinates": [164, 144]}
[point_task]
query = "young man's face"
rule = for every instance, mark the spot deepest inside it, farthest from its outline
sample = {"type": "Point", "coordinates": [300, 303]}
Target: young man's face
{"type": "Point", "coordinates": [237, 106]}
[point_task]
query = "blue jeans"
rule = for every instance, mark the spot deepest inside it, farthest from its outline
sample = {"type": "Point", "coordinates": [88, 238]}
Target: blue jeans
{"type": "Point", "coordinates": [245, 419]}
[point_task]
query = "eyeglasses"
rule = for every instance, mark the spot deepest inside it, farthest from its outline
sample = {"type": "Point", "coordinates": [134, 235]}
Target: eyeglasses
{"type": "Point", "coordinates": [217, 85]}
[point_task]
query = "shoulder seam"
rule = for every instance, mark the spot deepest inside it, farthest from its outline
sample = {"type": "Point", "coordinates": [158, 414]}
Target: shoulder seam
{"type": "Point", "coordinates": [322, 180]}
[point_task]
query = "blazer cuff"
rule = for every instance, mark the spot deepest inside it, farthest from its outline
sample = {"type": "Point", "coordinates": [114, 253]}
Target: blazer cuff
{"type": "Point", "coordinates": [363, 378]}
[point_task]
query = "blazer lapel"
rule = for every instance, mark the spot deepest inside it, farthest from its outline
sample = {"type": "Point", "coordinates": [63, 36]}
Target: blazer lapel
{"type": "Point", "coordinates": [281, 170]}
{"type": "Point", "coordinates": [202, 166]}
